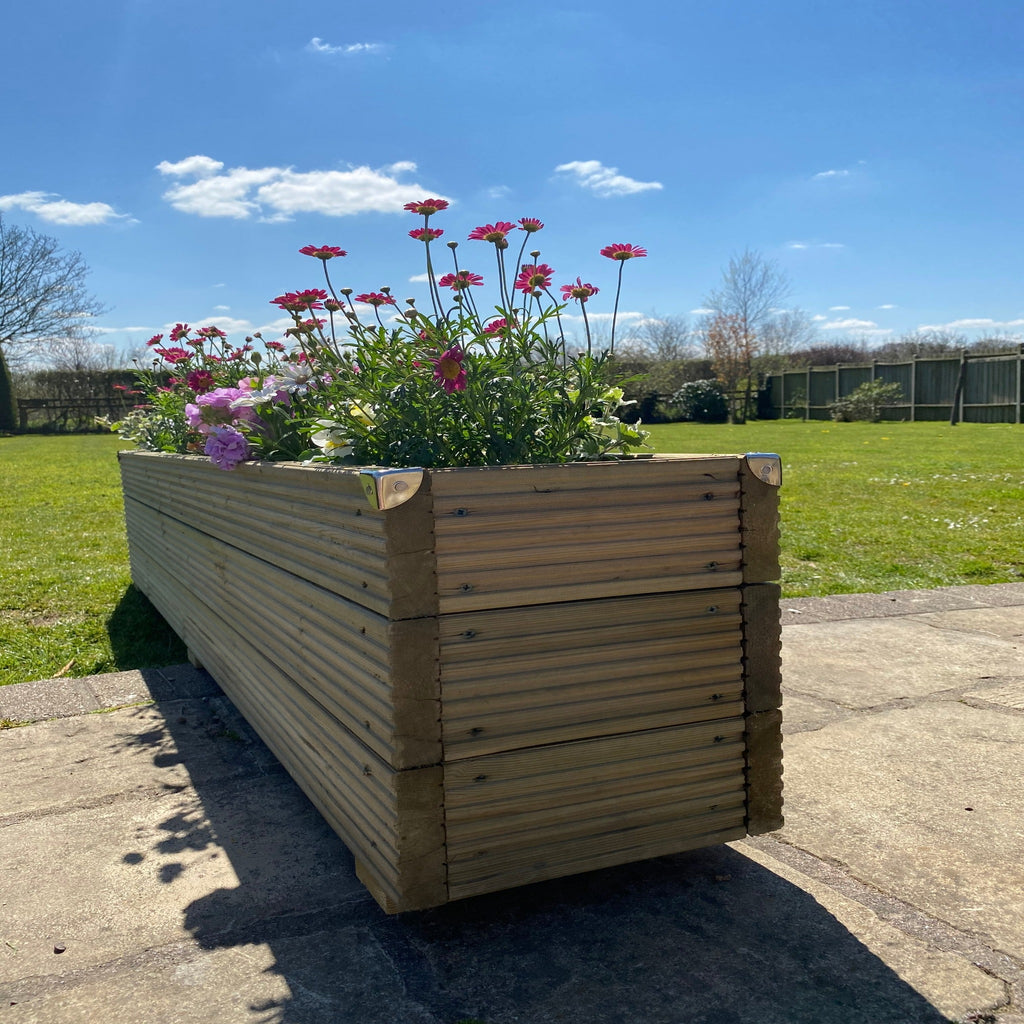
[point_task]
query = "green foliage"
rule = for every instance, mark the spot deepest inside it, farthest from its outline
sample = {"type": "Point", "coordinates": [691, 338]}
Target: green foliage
{"type": "Point", "coordinates": [866, 402]}
{"type": "Point", "coordinates": [701, 401]}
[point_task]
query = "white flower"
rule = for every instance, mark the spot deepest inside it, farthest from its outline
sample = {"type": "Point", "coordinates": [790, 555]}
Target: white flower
{"type": "Point", "coordinates": [332, 440]}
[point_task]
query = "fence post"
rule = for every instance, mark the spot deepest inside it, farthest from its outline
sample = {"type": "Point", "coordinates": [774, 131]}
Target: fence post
{"type": "Point", "coordinates": [913, 387]}
{"type": "Point", "coordinates": [807, 398]}
{"type": "Point", "coordinates": [1020, 381]}
{"type": "Point", "coordinates": [956, 413]}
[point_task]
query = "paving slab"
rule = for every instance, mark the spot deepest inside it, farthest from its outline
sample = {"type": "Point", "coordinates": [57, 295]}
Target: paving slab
{"type": "Point", "coordinates": [861, 663]}
{"type": "Point", "coordinates": [924, 803]}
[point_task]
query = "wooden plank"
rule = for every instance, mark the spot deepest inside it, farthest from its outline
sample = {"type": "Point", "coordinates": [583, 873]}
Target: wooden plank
{"type": "Point", "coordinates": [557, 817]}
{"type": "Point", "coordinates": [501, 777]}
{"type": "Point", "coordinates": [483, 635]}
{"type": "Point", "coordinates": [654, 471]}
{"type": "Point", "coordinates": [497, 873]}
{"type": "Point", "coordinates": [764, 772]}
{"type": "Point", "coordinates": [465, 526]}
{"type": "Point", "coordinates": [759, 528]}
{"type": "Point", "coordinates": [762, 646]}
{"type": "Point", "coordinates": [645, 775]}
{"type": "Point", "coordinates": [569, 582]}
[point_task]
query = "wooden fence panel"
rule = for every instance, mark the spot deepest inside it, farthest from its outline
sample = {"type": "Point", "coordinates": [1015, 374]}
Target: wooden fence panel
{"type": "Point", "coordinates": [992, 388]}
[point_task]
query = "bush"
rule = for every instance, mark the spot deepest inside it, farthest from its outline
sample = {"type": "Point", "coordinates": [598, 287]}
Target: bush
{"type": "Point", "coordinates": [866, 402]}
{"type": "Point", "coordinates": [701, 401]}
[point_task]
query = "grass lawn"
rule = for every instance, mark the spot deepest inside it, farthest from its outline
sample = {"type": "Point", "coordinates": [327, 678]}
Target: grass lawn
{"type": "Point", "coordinates": [865, 507]}
{"type": "Point", "coordinates": [66, 600]}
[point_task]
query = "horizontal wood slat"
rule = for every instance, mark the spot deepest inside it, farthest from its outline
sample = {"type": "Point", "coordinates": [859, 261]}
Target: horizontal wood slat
{"type": "Point", "coordinates": [378, 677]}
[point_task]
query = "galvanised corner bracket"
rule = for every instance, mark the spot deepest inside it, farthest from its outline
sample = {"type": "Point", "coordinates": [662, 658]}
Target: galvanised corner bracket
{"type": "Point", "coordinates": [389, 488]}
{"type": "Point", "coordinates": [766, 467]}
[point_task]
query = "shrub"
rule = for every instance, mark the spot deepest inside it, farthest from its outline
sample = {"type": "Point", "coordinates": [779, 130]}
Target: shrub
{"type": "Point", "coordinates": [866, 402]}
{"type": "Point", "coordinates": [702, 401]}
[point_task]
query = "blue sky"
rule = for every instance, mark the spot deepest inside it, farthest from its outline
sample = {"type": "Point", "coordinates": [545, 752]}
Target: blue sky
{"type": "Point", "coordinates": [188, 150]}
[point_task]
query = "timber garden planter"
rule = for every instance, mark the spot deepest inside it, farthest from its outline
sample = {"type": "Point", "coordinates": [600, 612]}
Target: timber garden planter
{"type": "Point", "coordinates": [517, 673]}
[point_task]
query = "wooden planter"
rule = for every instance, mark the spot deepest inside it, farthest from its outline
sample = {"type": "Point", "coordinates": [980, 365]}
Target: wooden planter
{"type": "Point", "coordinates": [519, 673]}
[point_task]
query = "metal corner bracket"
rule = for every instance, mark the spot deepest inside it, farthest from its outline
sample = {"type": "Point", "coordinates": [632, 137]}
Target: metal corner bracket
{"type": "Point", "coordinates": [766, 467]}
{"type": "Point", "coordinates": [389, 488]}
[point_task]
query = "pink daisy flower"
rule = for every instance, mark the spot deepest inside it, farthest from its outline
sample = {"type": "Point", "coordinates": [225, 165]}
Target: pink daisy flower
{"type": "Point", "coordinates": [579, 291]}
{"type": "Point", "coordinates": [426, 234]}
{"type": "Point", "coordinates": [200, 381]}
{"type": "Point", "coordinates": [530, 224]}
{"type": "Point", "coordinates": [534, 277]}
{"type": "Point", "coordinates": [449, 371]}
{"type": "Point", "coordinates": [492, 232]}
{"type": "Point", "coordinates": [296, 302]}
{"type": "Point", "coordinates": [179, 332]}
{"type": "Point", "coordinates": [375, 299]}
{"type": "Point", "coordinates": [460, 280]}
{"type": "Point", "coordinates": [427, 206]}
{"type": "Point", "coordinates": [623, 251]}
{"type": "Point", "coordinates": [322, 252]}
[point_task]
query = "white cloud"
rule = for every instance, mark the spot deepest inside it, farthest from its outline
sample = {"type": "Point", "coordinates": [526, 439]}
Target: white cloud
{"type": "Point", "coordinates": [222, 309]}
{"type": "Point", "coordinates": [191, 166]}
{"type": "Point", "coordinates": [604, 181]}
{"type": "Point", "coordinates": [62, 211]}
{"type": "Point", "coordinates": [815, 245]}
{"type": "Point", "coordinates": [498, 192]}
{"type": "Point", "coordinates": [981, 323]}
{"type": "Point", "coordinates": [317, 45]}
{"type": "Point", "coordinates": [838, 309]}
{"type": "Point", "coordinates": [701, 312]}
{"type": "Point", "coordinates": [276, 193]}
{"type": "Point", "coordinates": [419, 279]}
{"type": "Point", "coordinates": [850, 324]}
{"type": "Point", "coordinates": [825, 175]}
{"type": "Point", "coordinates": [819, 317]}
{"type": "Point", "coordinates": [888, 305]}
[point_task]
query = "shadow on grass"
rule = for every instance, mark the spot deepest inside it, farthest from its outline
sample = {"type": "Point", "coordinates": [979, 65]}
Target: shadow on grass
{"type": "Point", "coordinates": [139, 635]}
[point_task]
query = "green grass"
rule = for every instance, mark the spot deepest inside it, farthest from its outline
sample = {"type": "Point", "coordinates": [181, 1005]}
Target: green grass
{"type": "Point", "coordinates": [65, 590]}
{"type": "Point", "coordinates": [865, 507]}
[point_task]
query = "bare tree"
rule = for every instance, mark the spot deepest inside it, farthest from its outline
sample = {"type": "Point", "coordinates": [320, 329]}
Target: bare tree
{"type": "Point", "coordinates": [667, 338]}
{"type": "Point", "coordinates": [42, 297]}
{"type": "Point", "coordinates": [749, 298]}
{"type": "Point", "coordinates": [786, 333]}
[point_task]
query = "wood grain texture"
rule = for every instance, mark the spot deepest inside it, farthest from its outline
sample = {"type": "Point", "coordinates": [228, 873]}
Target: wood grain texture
{"type": "Point", "coordinates": [759, 527]}
{"type": "Point", "coordinates": [764, 772]}
{"type": "Point", "coordinates": [762, 646]}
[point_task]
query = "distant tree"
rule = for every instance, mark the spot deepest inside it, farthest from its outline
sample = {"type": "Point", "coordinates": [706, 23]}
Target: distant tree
{"type": "Point", "coordinates": [42, 298]}
{"type": "Point", "coordinates": [730, 347]}
{"type": "Point", "coordinates": [830, 353]}
{"type": "Point", "coordinates": [668, 339]}
{"type": "Point", "coordinates": [748, 299]}
{"type": "Point", "coordinates": [785, 334]}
